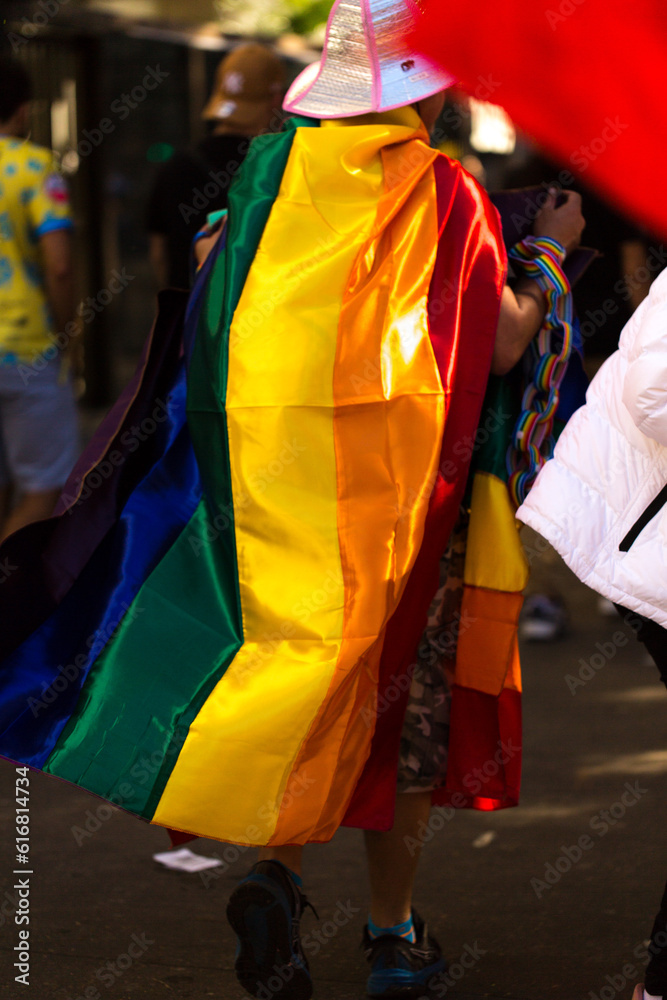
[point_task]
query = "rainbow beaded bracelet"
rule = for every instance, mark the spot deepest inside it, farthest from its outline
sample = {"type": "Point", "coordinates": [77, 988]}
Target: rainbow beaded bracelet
{"type": "Point", "coordinates": [541, 258]}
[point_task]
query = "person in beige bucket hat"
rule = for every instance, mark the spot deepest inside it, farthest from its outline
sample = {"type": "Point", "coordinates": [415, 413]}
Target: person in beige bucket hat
{"type": "Point", "coordinates": [245, 101]}
{"type": "Point", "coordinates": [248, 90]}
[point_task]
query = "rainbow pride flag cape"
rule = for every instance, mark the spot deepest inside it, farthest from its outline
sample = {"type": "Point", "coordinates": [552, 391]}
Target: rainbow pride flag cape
{"type": "Point", "coordinates": [486, 694]}
{"type": "Point", "coordinates": [243, 559]}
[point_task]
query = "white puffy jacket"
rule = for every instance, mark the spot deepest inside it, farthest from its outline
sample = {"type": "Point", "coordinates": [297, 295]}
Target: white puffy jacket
{"type": "Point", "coordinates": [602, 500]}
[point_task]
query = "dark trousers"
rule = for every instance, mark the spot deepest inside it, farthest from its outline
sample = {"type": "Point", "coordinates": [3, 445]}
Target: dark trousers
{"type": "Point", "coordinates": [654, 638]}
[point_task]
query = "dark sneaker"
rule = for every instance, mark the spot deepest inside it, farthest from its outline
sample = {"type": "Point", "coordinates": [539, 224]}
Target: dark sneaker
{"type": "Point", "coordinates": [400, 969]}
{"type": "Point", "coordinates": [265, 909]}
{"type": "Point", "coordinates": [543, 619]}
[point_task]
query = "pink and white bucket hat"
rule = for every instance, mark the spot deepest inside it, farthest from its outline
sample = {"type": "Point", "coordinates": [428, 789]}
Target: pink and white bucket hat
{"type": "Point", "coordinates": [366, 64]}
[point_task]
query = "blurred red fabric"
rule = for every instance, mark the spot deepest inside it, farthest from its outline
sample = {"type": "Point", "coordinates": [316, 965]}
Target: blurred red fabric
{"type": "Point", "coordinates": [584, 78]}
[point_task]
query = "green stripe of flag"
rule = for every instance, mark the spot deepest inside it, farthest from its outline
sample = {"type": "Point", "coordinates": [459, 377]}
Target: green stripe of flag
{"type": "Point", "coordinates": [184, 627]}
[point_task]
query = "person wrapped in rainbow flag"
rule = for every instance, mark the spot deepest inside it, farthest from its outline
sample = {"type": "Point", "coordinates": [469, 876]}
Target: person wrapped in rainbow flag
{"type": "Point", "coordinates": [239, 572]}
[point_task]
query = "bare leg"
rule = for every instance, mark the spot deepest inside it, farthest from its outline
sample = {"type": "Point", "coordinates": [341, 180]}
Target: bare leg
{"type": "Point", "coordinates": [31, 507]}
{"type": "Point", "coordinates": [391, 865]}
{"type": "Point", "coordinates": [289, 856]}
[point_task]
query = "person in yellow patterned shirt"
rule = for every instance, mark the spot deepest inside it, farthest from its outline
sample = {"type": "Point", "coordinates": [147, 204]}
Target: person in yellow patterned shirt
{"type": "Point", "coordinates": [38, 422]}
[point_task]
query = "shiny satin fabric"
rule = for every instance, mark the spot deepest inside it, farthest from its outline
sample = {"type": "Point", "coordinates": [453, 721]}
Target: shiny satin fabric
{"type": "Point", "coordinates": [179, 630]}
{"type": "Point", "coordinates": [49, 555]}
{"type": "Point", "coordinates": [463, 308]}
{"type": "Point", "coordinates": [138, 716]}
{"type": "Point", "coordinates": [321, 479]}
{"type": "Point", "coordinates": [182, 628]}
{"type": "Point", "coordinates": [487, 683]}
{"type": "Point", "coordinates": [387, 429]}
{"type": "Point", "coordinates": [119, 523]}
{"type": "Point", "coordinates": [494, 554]}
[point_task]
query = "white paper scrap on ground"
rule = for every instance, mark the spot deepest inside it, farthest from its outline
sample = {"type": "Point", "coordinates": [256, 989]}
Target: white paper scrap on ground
{"type": "Point", "coordinates": [485, 839]}
{"type": "Point", "coordinates": [185, 860]}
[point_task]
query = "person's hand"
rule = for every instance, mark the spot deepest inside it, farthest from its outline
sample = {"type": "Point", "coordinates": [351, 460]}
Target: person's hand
{"type": "Point", "coordinates": [565, 223]}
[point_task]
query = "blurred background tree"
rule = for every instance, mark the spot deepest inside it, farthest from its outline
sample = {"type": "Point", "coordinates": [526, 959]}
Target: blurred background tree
{"type": "Point", "coordinates": [273, 17]}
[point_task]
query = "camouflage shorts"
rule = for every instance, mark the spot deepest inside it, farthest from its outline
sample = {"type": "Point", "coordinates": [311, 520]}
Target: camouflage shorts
{"type": "Point", "coordinates": [422, 762]}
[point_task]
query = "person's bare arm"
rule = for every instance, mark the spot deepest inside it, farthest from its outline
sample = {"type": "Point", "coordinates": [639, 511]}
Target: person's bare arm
{"type": "Point", "coordinates": [56, 250]}
{"type": "Point", "coordinates": [523, 309]}
{"type": "Point", "coordinates": [159, 258]}
{"type": "Point", "coordinates": [205, 244]}
{"type": "Point", "coordinates": [522, 313]}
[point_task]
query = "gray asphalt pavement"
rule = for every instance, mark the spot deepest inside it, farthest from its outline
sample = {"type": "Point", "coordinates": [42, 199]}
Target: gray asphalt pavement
{"type": "Point", "coordinates": [553, 900]}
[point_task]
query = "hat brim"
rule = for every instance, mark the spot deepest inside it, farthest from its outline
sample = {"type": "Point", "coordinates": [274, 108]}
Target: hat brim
{"type": "Point", "coordinates": [237, 113]}
{"type": "Point", "coordinates": [302, 97]}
